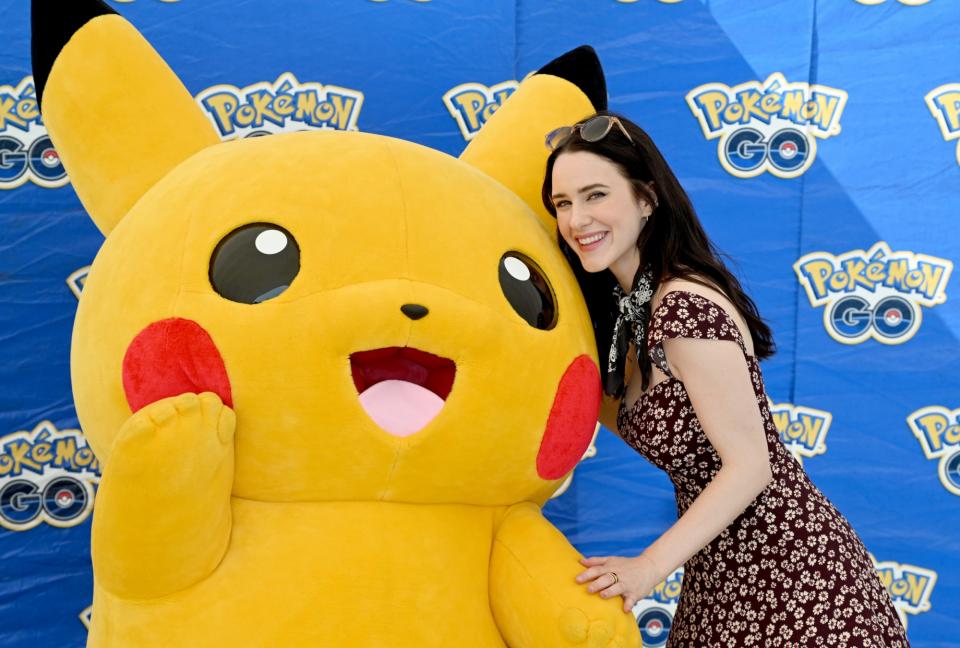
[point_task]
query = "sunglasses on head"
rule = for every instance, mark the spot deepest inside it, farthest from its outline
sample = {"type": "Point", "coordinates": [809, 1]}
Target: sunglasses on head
{"type": "Point", "coordinates": [591, 130]}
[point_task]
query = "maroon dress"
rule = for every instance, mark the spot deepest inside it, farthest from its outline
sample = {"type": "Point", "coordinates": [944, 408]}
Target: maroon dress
{"type": "Point", "coordinates": [790, 571]}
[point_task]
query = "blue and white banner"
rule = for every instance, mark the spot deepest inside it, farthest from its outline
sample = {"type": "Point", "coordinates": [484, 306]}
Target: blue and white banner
{"type": "Point", "coordinates": [818, 139]}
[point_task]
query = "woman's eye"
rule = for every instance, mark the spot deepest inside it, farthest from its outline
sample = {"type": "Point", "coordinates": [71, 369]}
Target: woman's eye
{"type": "Point", "coordinates": [596, 193]}
{"type": "Point", "coordinates": [561, 203]}
{"type": "Point", "coordinates": [526, 288]}
{"type": "Point", "coordinates": [254, 263]}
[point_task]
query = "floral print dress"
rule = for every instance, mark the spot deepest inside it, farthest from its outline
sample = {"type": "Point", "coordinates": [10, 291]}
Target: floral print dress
{"type": "Point", "coordinates": [789, 571]}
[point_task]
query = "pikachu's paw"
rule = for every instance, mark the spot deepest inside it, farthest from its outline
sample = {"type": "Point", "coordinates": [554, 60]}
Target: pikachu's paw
{"type": "Point", "coordinates": [194, 426]}
{"type": "Point", "coordinates": [617, 629]}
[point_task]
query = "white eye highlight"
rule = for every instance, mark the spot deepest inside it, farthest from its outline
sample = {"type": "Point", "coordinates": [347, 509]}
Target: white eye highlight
{"type": "Point", "coordinates": [517, 268]}
{"type": "Point", "coordinates": [271, 241]}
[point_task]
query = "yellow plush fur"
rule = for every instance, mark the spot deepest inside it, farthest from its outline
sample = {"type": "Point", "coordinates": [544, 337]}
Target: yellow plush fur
{"type": "Point", "coordinates": [292, 519]}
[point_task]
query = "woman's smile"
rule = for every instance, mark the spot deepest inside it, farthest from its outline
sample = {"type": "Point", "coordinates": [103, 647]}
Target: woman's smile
{"type": "Point", "coordinates": [590, 242]}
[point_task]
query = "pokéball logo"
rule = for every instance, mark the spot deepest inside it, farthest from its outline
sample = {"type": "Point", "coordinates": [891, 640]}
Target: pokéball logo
{"type": "Point", "coordinates": [655, 613]}
{"type": "Point", "coordinates": [654, 624]}
{"type": "Point", "coordinates": [938, 431]}
{"type": "Point", "coordinates": [46, 475]}
{"type": "Point", "coordinates": [874, 294]}
{"type": "Point", "coordinates": [944, 105]}
{"type": "Point", "coordinates": [26, 152]}
{"type": "Point", "coordinates": [472, 104]}
{"type": "Point", "coordinates": [285, 105]}
{"type": "Point", "coordinates": [771, 126]}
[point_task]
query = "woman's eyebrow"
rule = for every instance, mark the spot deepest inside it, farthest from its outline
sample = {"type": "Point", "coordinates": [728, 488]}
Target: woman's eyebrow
{"type": "Point", "coordinates": [592, 186]}
{"type": "Point", "coordinates": [581, 190]}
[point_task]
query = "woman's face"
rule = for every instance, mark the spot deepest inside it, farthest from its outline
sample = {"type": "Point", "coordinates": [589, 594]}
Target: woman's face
{"type": "Point", "coordinates": [598, 213]}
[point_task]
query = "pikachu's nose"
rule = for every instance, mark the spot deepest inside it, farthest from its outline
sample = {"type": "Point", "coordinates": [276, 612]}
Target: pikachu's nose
{"type": "Point", "coordinates": [414, 311]}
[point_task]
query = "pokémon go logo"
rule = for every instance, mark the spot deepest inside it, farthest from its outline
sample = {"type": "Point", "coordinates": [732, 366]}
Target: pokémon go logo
{"type": "Point", "coordinates": [46, 475]}
{"type": "Point", "coordinates": [938, 431]}
{"type": "Point", "coordinates": [771, 126]}
{"type": "Point", "coordinates": [910, 587]}
{"type": "Point", "coordinates": [874, 294]}
{"type": "Point", "coordinates": [803, 430]}
{"type": "Point", "coordinates": [26, 152]}
{"type": "Point", "coordinates": [944, 105]}
{"type": "Point", "coordinates": [655, 613]}
{"type": "Point", "coordinates": [285, 105]}
{"type": "Point", "coordinates": [472, 104]}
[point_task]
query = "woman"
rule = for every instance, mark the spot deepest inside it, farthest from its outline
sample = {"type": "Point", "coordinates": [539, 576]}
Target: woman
{"type": "Point", "coordinates": [768, 560]}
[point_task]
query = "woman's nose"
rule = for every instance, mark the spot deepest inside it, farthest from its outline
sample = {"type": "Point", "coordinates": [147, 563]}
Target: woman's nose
{"type": "Point", "coordinates": [578, 217]}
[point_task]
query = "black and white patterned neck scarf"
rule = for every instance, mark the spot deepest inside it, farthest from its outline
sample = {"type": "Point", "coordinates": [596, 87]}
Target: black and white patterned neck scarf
{"type": "Point", "coordinates": [633, 313]}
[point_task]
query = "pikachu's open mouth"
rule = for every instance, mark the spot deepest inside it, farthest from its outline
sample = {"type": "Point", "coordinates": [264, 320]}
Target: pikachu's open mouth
{"type": "Point", "coordinates": [402, 388]}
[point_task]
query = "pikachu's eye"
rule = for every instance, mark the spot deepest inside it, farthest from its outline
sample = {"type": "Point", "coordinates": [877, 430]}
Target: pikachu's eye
{"type": "Point", "coordinates": [254, 263]}
{"type": "Point", "coordinates": [526, 288]}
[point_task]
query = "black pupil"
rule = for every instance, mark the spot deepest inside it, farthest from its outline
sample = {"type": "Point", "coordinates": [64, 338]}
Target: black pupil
{"type": "Point", "coordinates": [254, 263]}
{"type": "Point", "coordinates": [526, 288]}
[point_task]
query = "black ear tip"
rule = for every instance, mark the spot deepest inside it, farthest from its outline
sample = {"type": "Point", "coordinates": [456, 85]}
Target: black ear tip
{"type": "Point", "coordinates": [53, 23]}
{"type": "Point", "coordinates": [581, 67]}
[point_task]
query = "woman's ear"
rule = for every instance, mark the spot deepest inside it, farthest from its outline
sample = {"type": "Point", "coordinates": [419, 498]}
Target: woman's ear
{"type": "Point", "coordinates": [118, 116]}
{"type": "Point", "coordinates": [511, 146]}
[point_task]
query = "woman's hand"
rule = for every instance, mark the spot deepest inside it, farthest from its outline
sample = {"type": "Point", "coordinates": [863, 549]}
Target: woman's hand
{"type": "Point", "coordinates": [634, 577]}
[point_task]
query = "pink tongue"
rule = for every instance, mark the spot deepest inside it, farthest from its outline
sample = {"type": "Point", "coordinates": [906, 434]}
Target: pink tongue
{"type": "Point", "coordinates": [400, 407]}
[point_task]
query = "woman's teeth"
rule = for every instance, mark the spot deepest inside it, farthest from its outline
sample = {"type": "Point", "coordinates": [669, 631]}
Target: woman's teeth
{"type": "Point", "coordinates": [591, 239]}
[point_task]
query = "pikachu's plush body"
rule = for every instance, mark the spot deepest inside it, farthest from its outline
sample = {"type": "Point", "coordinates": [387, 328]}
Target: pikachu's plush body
{"type": "Point", "coordinates": [331, 376]}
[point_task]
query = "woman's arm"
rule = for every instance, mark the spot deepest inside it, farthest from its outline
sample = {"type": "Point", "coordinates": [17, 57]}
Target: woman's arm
{"type": "Point", "coordinates": [718, 383]}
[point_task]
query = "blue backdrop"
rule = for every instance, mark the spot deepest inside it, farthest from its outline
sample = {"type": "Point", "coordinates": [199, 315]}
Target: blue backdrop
{"type": "Point", "coordinates": [817, 139]}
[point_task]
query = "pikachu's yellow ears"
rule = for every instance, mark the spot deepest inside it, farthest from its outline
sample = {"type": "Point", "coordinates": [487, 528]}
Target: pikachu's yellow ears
{"type": "Point", "coordinates": [121, 119]}
{"type": "Point", "coordinates": [511, 146]}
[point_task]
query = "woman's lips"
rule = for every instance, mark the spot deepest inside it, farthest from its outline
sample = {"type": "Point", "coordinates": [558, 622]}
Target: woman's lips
{"type": "Point", "coordinates": [594, 245]}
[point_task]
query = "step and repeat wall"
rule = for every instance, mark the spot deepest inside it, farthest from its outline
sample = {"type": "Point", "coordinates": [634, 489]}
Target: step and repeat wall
{"type": "Point", "coordinates": [818, 139]}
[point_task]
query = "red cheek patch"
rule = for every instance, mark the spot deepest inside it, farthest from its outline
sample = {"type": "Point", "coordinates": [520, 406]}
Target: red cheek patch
{"type": "Point", "coordinates": [573, 418]}
{"type": "Point", "coordinates": [170, 357]}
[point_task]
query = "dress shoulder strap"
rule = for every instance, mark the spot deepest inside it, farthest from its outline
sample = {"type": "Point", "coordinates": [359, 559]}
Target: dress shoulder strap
{"type": "Point", "coordinates": [683, 314]}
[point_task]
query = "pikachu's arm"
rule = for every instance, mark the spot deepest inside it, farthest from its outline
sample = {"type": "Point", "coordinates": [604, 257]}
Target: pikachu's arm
{"type": "Point", "coordinates": [533, 595]}
{"type": "Point", "coordinates": [162, 518]}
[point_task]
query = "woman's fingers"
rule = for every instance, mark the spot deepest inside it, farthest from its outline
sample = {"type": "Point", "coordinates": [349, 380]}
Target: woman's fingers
{"type": "Point", "coordinates": [591, 574]}
{"type": "Point", "coordinates": [593, 561]}
{"type": "Point", "coordinates": [616, 588]}
{"type": "Point", "coordinates": [603, 582]}
{"type": "Point", "coordinates": [628, 603]}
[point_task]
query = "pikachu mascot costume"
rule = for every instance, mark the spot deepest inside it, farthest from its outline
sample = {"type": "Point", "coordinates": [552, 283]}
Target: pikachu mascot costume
{"type": "Point", "coordinates": [331, 376]}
